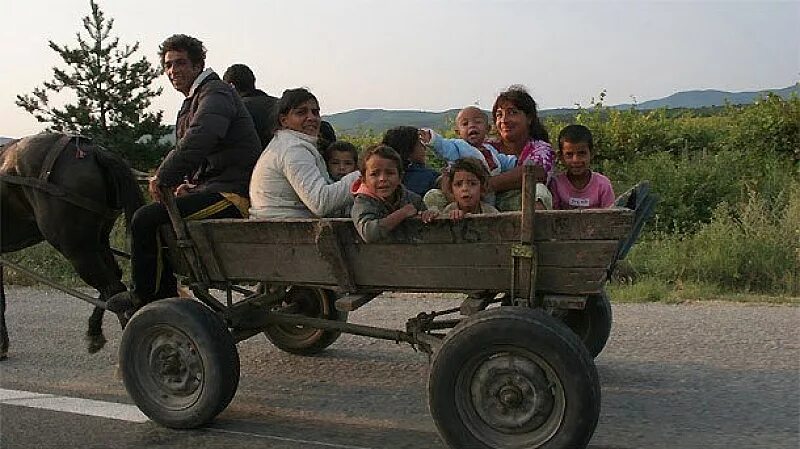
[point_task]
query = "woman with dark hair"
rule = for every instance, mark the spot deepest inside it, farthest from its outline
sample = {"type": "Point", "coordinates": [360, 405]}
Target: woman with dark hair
{"type": "Point", "coordinates": [523, 135]}
{"type": "Point", "coordinates": [290, 179]}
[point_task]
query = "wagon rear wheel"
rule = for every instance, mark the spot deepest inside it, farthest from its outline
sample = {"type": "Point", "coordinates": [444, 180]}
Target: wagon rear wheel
{"type": "Point", "coordinates": [513, 377]}
{"type": "Point", "coordinates": [304, 340]}
{"type": "Point", "coordinates": [593, 323]}
{"type": "Point", "coordinates": [179, 363]}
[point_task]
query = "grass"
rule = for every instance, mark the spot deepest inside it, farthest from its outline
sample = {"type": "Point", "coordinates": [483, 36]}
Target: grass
{"type": "Point", "coordinates": [650, 289]}
{"type": "Point", "coordinates": [43, 259]}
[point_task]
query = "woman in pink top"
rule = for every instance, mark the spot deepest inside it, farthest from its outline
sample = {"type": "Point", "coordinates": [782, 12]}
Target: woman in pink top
{"type": "Point", "coordinates": [521, 134]}
{"type": "Point", "coordinates": [579, 187]}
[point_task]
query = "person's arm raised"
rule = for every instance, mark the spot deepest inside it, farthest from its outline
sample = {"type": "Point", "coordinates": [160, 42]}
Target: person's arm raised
{"type": "Point", "coordinates": [449, 149]}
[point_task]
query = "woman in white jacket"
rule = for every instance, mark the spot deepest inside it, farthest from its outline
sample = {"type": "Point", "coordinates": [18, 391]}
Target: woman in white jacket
{"type": "Point", "coordinates": [290, 179]}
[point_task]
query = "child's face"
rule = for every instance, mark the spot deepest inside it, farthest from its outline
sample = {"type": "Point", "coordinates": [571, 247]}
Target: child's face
{"type": "Point", "coordinates": [467, 190]}
{"type": "Point", "coordinates": [472, 126]}
{"type": "Point", "coordinates": [341, 163]}
{"type": "Point", "coordinates": [576, 157]}
{"type": "Point", "coordinates": [382, 176]}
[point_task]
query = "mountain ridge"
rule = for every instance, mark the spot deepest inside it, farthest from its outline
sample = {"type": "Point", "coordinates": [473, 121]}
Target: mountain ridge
{"type": "Point", "coordinates": [379, 120]}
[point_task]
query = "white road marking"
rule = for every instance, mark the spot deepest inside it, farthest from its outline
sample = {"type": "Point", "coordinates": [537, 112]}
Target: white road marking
{"type": "Point", "coordinates": [122, 412]}
{"type": "Point", "coordinates": [79, 406]}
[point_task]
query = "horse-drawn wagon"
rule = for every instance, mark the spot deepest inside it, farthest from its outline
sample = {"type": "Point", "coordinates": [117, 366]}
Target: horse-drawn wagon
{"type": "Point", "coordinates": [505, 372]}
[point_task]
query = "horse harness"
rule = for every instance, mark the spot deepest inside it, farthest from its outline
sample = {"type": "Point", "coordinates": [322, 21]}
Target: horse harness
{"type": "Point", "coordinates": [41, 183]}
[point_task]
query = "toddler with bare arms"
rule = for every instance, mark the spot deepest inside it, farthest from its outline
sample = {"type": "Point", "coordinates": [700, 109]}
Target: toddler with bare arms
{"type": "Point", "coordinates": [468, 182]}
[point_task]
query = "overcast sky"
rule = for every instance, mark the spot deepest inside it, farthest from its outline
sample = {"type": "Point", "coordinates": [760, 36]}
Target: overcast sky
{"type": "Point", "coordinates": [431, 55]}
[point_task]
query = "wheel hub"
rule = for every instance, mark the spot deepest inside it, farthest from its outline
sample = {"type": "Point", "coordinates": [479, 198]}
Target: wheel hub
{"type": "Point", "coordinates": [511, 394]}
{"type": "Point", "coordinates": [175, 365]}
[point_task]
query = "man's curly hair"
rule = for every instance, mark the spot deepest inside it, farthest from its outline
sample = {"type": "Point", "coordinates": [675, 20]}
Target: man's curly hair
{"type": "Point", "coordinates": [181, 42]}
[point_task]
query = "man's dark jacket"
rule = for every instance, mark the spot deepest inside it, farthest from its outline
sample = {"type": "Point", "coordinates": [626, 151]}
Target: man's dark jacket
{"type": "Point", "coordinates": [263, 109]}
{"type": "Point", "coordinates": [217, 145]}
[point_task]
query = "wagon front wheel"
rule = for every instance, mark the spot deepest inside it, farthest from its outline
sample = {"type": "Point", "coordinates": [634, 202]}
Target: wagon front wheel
{"type": "Point", "coordinates": [513, 377]}
{"type": "Point", "coordinates": [304, 340]}
{"type": "Point", "coordinates": [179, 363]}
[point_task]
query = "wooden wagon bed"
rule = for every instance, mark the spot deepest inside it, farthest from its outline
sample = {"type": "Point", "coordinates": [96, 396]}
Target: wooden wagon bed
{"type": "Point", "coordinates": [573, 252]}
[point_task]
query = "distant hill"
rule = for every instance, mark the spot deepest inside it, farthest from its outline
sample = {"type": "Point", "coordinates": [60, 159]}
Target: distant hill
{"type": "Point", "coordinates": [708, 98]}
{"type": "Point", "coordinates": [379, 120]}
{"type": "Point", "coordinates": [4, 140]}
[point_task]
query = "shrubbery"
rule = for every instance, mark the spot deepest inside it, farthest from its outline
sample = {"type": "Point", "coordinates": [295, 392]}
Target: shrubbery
{"type": "Point", "coordinates": [730, 192]}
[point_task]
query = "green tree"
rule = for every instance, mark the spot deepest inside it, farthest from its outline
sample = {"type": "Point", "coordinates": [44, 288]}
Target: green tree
{"type": "Point", "coordinates": [113, 94]}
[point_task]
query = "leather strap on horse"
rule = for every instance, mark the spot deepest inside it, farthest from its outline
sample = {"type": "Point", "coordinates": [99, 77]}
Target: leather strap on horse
{"type": "Point", "coordinates": [52, 155]}
{"type": "Point", "coordinates": [41, 183]}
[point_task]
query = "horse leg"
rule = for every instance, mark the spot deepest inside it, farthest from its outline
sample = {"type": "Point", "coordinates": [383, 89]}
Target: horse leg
{"type": "Point", "coordinates": [3, 331]}
{"type": "Point", "coordinates": [92, 267]}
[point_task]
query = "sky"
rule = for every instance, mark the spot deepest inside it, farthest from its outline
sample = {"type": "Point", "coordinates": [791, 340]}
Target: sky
{"type": "Point", "coordinates": [430, 55]}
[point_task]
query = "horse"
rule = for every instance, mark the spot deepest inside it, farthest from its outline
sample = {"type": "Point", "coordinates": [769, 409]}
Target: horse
{"type": "Point", "coordinates": [69, 192]}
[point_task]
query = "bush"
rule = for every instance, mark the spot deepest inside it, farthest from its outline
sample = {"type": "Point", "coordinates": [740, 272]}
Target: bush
{"type": "Point", "coordinates": [751, 246]}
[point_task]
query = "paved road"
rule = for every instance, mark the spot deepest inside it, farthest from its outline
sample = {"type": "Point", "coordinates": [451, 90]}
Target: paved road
{"type": "Point", "coordinates": [704, 375]}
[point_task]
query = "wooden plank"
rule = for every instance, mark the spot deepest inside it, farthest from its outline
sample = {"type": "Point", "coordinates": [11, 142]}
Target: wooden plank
{"type": "Point", "coordinates": [303, 262]}
{"type": "Point", "coordinates": [593, 224]}
{"type": "Point", "coordinates": [332, 252]}
{"type": "Point", "coordinates": [251, 231]}
{"type": "Point", "coordinates": [176, 259]}
{"type": "Point", "coordinates": [276, 263]}
{"type": "Point", "coordinates": [349, 303]}
{"type": "Point", "coordinates": [576, 253]}
{"type": "Point", "coordinates": [200, 235]}
{"type": "Point", "coordinates": [599, 224]}
{"type": "Point", "coordinates": [389, 271]}
{"type": "Point", "coordinates": [571, 281]}
{"type": "Point", "coordinates": [524, 275]}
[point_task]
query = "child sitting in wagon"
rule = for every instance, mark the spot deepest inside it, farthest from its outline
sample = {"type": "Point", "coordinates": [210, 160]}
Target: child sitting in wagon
{"type": "Point", "coordinates": [417, 176]}
{"type": "Point", "coordinates": [472, 125]}
{"type": "Point", "coordinates": [579, 187]}
{"type": "Point", "coordinates": [381, 202]}
{"type": "Point", "coordinates": [341, 158]}
{"type": "Point", "coordinates": [468, 180]}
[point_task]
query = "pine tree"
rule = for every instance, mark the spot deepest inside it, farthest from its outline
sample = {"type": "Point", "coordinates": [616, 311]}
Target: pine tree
{"type": "Point", "coordinates": [113, 94]}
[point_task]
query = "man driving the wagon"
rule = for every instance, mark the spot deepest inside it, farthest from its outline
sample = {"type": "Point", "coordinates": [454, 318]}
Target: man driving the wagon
{"type": "Point", "coordinates": [209, 169]}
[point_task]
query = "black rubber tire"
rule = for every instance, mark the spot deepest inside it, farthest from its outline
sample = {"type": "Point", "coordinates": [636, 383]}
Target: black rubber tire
{"type": "Point", "coordinates": [593, 323]}
{"type": "Point", "coordinates": [524, 361]}
{"type": "Point", "coordinates": [300, 340]}
{"type": "Point", "coordinates": [190, 340]}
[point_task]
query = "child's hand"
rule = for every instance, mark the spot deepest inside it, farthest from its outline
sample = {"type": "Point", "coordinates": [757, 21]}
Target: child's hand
{"type": "Point", "coordinates": [427, 216]}
{"type": "Point", "coordinates": [409, 210]}
{"type": "Point", "coordinates": [425, 136]}
{"type": "Point", "coordinates": [184, 189]}
{"type": "Point", "coordinates": [456, 214]}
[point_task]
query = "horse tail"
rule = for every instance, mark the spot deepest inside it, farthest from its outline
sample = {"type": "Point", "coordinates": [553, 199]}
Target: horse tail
{"type": "Point", "coordinates": [120, 176]}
